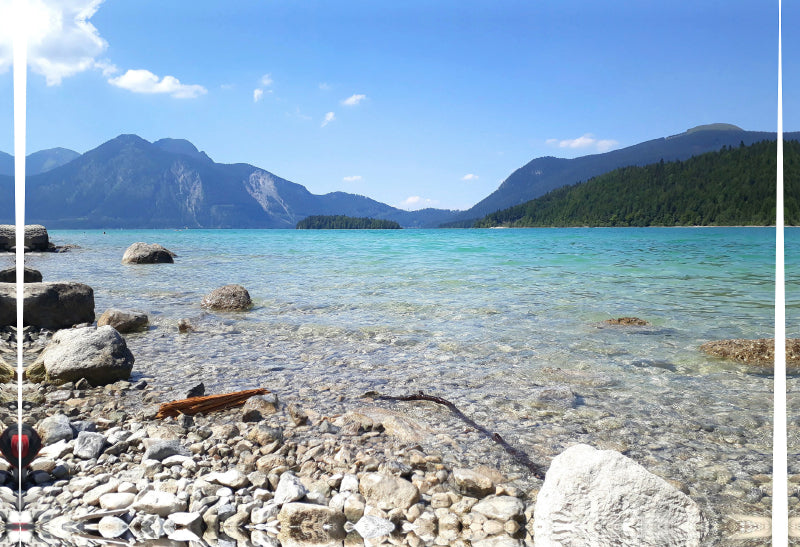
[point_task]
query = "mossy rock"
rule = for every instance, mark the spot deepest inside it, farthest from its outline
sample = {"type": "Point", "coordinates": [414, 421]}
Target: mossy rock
{"type": "Point", "coordinates": [36, 372]}
{"type": "Point", "coordinates": [7, 373]}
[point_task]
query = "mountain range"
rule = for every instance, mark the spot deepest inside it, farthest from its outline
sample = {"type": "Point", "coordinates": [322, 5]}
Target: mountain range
{"type": "Point", "coordinates": [129, 182]}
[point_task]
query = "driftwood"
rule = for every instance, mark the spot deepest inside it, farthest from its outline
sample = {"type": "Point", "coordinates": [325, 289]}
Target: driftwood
{"type": "Point", "coordinates": [516, 453]}
{"type": "Point", "coordinates": [207, 403]}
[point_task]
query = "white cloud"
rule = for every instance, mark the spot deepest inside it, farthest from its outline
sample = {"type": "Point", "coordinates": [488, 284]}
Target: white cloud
{"type": "Point", "coordinates": [353, 100]}
{"type": "Point", "coordinates": [144, 81]}
{"type": "Point", "coordinates": [61, 40]}
{"type": "Point", "coordinates": [584, 141]}
{"type": "Point", "coordinates": [266, 80]}
{"type": "Point", "coordinates": [329, 117]}
{"type": "Point", "coordinates": [353, 178]}
{"type": "Point", "coordinates": [470, 176]}
{"type": "Point", "coordinates": [324, 86]}
{"type": "Point", "coordinates": [257, 94]}
{"type": "Point", "coordinates": [417, 202]}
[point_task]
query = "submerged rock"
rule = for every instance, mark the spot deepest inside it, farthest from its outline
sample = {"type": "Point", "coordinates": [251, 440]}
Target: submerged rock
{"type": "Point", "coordinates": [759, 352]}
{"type": "Point", "coordinates": [228, 298]}
{"type": "Point", "coordinates": [123, 320]}
{"type": "Point", "coordinates": [627, 321]}
{"type": "Point", "coordinates": [147, 253]}
{"type": "Point", "coordinates": [600, 497]}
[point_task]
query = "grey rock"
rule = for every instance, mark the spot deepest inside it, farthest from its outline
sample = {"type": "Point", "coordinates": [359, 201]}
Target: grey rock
{"type": "Point", "coordinates": [111, 527]}
{"type": "Point", "coordinates": [29, 275]}
{"type": "Point", "coordinates": [162, 449]}
{"type": "Point", "coordinates": [159, 503]}
{"type": "Point", "coordinates": [228, 298]}
{"type": "Point", "coordinates": [315, 524]}
{"type": "Point", "coordinates": [472, 482]}
{"type": "Point", "coordinates": [289, 489]}
{"type": "Point", "coordinates": [602, 497]}
{"type": "Point", "coordinates": [369, 527]}
{"type": "Point", "coordinates": [50, 306]}
{"type": "Point", "coordinates": [116, 500]}
{"type": "Point", "coordinates": [147, 253]}
{"type": "Point", "coordinates": [55, 428]}
{"type": "Point", "coordinates": [36, 238]}
{"type": "Point", "coordinates": [88, 445]}
{"type": "Point", "coordinates": [98, 354]}
{"type": "Point", "coordinates": [502, 508]}
{"type": "Point", "coordinates": [123, 320]}
{"type": "Point", "coordinates": [387, 491]}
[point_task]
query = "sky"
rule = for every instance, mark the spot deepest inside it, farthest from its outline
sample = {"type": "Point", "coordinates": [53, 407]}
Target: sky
{"type": "Point", "coordinates": [414, 104]}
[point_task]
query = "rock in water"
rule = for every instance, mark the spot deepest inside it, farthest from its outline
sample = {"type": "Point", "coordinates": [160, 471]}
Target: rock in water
{"type": "Point", "coordinates": [36, 238]}
{"type": "Point", "coordinates": [123, 320]}
{"type": "Point", "coordinates": [228, 298]}
{"type": "Point", "coordinates": [600, 497]}
{"type": "Point", "coordinates": [9, 275]}
{"type": "Point", "coordinates": [50, 306]}
{"type": "Point", "coordinates": [147, 253]}
{"type": "Point", "coordinates": [98, 354]}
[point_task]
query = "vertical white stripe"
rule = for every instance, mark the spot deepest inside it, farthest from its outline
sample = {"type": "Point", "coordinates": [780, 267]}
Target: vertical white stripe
{"type": "Point", "coordinates": [780, 490]}
{"type": "Point", "coordinates": [20, 105]}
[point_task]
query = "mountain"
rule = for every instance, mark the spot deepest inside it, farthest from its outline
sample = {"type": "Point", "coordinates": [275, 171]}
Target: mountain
{"type": "Point", "coordinates": [730, 187]}
{"type": "Point", "coordinates": [38, 162]}
{"type": "Point", "coordinates": [542, 175]}
{"type": "Point", "coordinates": [129, 182]}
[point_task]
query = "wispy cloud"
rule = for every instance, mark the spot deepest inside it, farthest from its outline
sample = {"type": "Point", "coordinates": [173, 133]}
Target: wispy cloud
{"type": "Point", "coordinates": [324, 86]}
{"type": "Point", "coordinates": [585, 141]}
{"type": "Point", "coordinates": [144, 81]}
{"type": "Point", "coordinates": [353, 100]}
{"type": "Point", "coordinates": [329, 117]}
{"type": "Point", "coordinates": [352, 178]}
{"type": "Point", "coordinates": [266, 80]}
{"type": "Point", "coordinates": [470, 176]}
{"type": "Point", "coordinates": [257, 94]}
{"type": "Point", "coordinates": [417, 202]}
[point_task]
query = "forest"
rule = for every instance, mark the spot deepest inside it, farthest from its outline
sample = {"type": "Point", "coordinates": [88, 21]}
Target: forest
{"type": "Point", "coordinates": [341, 222]}
{"type": "Point", "coordinates": [734, 186]}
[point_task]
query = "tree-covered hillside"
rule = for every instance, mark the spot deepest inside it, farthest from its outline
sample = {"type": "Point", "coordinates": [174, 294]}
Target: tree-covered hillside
{"type": "Point", "coordinates": [341, 222]}
{"type": "Point", "coordinates": [734, 186]}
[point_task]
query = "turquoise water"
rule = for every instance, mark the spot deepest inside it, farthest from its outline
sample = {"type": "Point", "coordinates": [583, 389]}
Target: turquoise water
{"type": "Point", "coordinates": [484, 318]}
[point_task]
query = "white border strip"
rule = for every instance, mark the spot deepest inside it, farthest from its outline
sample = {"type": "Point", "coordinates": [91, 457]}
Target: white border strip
{"type": "Point", "coordinates": [20, 109]}
{"type": "Point", "coordinates": [780, 490]}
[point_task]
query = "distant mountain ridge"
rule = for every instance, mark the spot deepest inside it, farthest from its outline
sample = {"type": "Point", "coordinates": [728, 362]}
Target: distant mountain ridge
{"type": "Point", "coordinates": [129, 182]}
{"type": "Point", "coordinates": [38, 162]}
{"type": "Point", "coordinates": [544, 174]}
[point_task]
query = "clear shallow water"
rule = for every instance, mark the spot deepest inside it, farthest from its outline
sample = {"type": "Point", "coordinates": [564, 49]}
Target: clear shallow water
{"type": "Point", "coordinates": [483, 318]}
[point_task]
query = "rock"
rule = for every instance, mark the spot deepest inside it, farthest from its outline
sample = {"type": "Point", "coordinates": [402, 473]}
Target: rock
{"type": "Point", "coordinates": [162, 449]}
{"type": "Point", "coordinates": [305, 523]}
{"type": "Point", "coordinates": [289, 489]}
{"type": "Point", "coordinates": [36, 238]}
{"type": "Point", "coordinates": [123, 320]}
{"type": "Point", "coordinates": [369, 527]}
{"type": "Point", "coordinates": [258, 407]}
{"type": "Point", "coordinates": [232, 478]}
{"type": "Point", "coordinates": [55, 428]}
{"type": "Point", "coordinates": [159, 503]}
{"type": "Point", "coordinates": [472, 482]}
{"type": "Point", "coordinates": [501, 508]}
{"type": "Point", "coordinates": [627, 321]}
{"type": "Point", "coordinates": [8, 237]}
{"type": "Point", "coordinates": [147, 253]}
{"type": "Point", "coordinates": [602, 497]}
{"type": "Point", "coordinates": [88, 445]}
{"type": "Point", "coordinates": [196, 391]}
{"type": "Point", "coordinates": [263, 434]}
{"type": "Point", "coordinates": [49, 306]}
{"type": "Point", "coordinates": [111, 527]}
{"type": "Point", "coordinates": [228, 298]}
{"type": "Point", "coordinates": [555, 396]}
{"type": "Point", "coordinates": [116, 500]}
{"type": "Point", "coordinates": [184, 326]}
{"type": "Point", "coordinates": [9, 275]}
{"type": "Point", "coordinates": [759, 352]}
{"type": "Point", "coordinates": [98, 354]}
{"type": "Point", "coordinates": [387, 491]}
{"type": "Point", "coordinates": [7, 372]}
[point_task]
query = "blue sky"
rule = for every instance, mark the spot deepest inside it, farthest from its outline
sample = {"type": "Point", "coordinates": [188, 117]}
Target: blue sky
{"type": "Point", "coordinates": [420, 103]}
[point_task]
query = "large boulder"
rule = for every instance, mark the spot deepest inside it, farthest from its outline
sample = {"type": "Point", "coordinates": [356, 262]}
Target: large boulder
{"type": "Point", "coordinates": [36, 238]}
{"type": "Point", "coordinates": [29, 275]}
{"type": "Point", "coordinates": [123, 320]}
{"type": "Point", "coordinates": [98, 354]}
{"type": "Point", "coordinates": [228, 298]}
{"type": "Point", "coordinates": [600, 497]}
{"type": "Point", "coordinates": [50, 306]}
{"type": "Point", "coordinates": [147, 253]}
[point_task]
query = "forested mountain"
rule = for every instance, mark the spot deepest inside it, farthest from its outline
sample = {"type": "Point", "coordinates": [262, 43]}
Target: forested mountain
{"type": "Point", "coordinates": [734, 186]}
{"type": "Point", "coordinates": [129, 182]}
{"type": "Point", "coordinates": [542, 175]}
{"type": "Point", "coordinates": [341, 222]}
{"type": "Point", "coordinates": [38, 162]}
